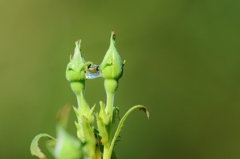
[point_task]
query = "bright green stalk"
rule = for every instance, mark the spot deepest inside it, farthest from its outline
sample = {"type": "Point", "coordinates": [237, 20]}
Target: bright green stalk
{"type": "Point", "coordinates": [110, 102]}
{"type": "Point", "coordinates": [110, 88]}
{"type": "Point", "coordinates": [80, 101]}
{"type": "Point", "coordinates": [109, 105]}
{"type": "Point", "coordinates": [110, 126]}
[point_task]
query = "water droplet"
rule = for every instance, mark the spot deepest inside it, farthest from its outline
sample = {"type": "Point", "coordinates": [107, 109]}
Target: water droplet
{"type": "Point", "coordinates": [93, 71]}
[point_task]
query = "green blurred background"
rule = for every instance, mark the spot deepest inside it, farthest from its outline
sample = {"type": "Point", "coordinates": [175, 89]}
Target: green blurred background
{"type": "Point", "coordinates": [183, 63]}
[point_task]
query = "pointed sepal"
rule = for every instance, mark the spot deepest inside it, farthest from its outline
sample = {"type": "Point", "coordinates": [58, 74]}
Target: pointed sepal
{"type": "Point", "coordinates": [102, 130]}
{"type": "Point", "coordinates": [80, 134]}
{"type": "Point", "coordinates": [89, 137]}
{"type": "Point", "coordinates": [102, 114]}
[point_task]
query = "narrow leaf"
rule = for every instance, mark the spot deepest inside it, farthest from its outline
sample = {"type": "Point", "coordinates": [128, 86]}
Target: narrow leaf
{"type": "Point", "coordinates": [120, 125]}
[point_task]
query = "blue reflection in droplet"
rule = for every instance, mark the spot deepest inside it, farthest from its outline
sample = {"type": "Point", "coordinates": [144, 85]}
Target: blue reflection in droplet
{"type": "Point", "coordinates": [93, 71]}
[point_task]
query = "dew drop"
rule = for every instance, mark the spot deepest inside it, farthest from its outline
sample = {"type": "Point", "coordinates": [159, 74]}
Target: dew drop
{"type": "Point", "coordinates": [93, 71]}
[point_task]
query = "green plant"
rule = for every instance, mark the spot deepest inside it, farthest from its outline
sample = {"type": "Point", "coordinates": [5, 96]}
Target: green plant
{"type": "Point", "coordinates": [92, 143]}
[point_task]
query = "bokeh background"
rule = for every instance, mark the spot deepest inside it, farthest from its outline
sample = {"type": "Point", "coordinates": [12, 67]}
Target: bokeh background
{"type": "Point", "coordinates": [183, 63]}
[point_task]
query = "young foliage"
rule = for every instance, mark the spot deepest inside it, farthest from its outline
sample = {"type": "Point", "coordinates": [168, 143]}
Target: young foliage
{"type": "Point", "coordinates": [92, 142]}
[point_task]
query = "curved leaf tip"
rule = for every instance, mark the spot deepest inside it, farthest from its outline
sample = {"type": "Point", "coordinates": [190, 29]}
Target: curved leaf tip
{"type": "Point", "coordinates": [120, 125]}
{"type": "Point", "coordinates": [34, 148]}
{"type": "Point", "coordinates": [145, 111]}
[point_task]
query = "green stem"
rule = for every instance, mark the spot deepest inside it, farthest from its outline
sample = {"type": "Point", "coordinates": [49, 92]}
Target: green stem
{"type": "Point", "coordinates": [110, 126]}
{"type": "Point", "coordinates": [109, 106]}
{"type": "Point", "coordinates": [110, 87]}
{"type": "Point", "coordinates": [80, 93]}
{"type": "Point", "coordinates": [98, 151]}
{"type": "Point", "coordinates": [106, 151]}
{"type": "Point", "coordinates": [83, 107]}
{"type": "Point", "coordinates": [80, 101]}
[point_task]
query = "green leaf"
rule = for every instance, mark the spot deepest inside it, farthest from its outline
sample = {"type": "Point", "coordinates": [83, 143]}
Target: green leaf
{"type": "Point", "coordinates": [120, 125]}
{"type": "Point", "coordinates": [67, 146]}
{"type": "Point", "coordinates": [34, 148]}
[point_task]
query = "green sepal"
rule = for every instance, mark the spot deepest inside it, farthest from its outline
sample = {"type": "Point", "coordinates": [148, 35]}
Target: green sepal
{"type": "Point", "coordinates": [92, 109]}
{"type": "Point", "coordinates": [34, 148]}
{"type": "Point", "coordinates": [103, 114]}
{"type": "Point", "coordinates": [89, 137]}
{"type": "Point", "coordinates": [79, 131]}
{"type": "Point", "coordinates": [84, 109]}
{"type": "Point", "coordinates": [78, 126]}
{"type": "Point", "coordinates": [76, 111]}
{"type": "Point", "coordinates": [102, 130]}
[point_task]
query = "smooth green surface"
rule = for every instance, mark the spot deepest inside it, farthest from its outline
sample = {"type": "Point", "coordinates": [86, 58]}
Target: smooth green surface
{"type": "Point", "coordinates": [183, 64]}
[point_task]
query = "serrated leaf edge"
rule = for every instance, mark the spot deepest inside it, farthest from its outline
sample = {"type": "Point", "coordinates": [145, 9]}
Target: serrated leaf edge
{"type": "Point", "coordinates": [34, 148]}
{"type": "Point", "coordinates": [120, 125]}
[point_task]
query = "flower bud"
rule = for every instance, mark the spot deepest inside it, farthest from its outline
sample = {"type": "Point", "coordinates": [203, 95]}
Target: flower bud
{"type": "Point", "coordinates": [75, 68]}
{"type": "Point", "coordinates": [112, 64]}
{"type": "Point", "coordinates": [75, 72]}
